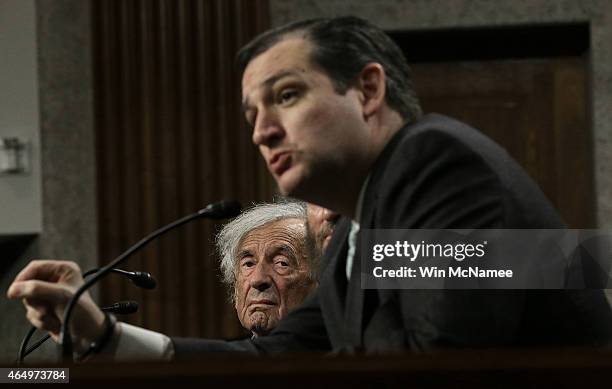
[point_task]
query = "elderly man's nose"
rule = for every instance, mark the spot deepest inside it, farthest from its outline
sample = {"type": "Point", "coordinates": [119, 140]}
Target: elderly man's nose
{"type": "Point", "coordinates": [260, 279]}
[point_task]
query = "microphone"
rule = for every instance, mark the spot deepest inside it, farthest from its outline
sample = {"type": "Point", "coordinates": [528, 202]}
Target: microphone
{"type": "Point", "coordinates": [126, 307]}
{"type": "Point", "coordinates": [223, 209]}
{"type": "Point", "coordinates": [218, 210]}
{"type": "Point", "coordinates": [139, 278]}
{"type": "Point", "coordinates": [142, 279]}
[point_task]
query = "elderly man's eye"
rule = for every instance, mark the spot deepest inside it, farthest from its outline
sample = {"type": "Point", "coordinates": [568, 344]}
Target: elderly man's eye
{"type": "Point", "coordinates": [248, 263]}
{"type": "Point", "coordinates": [282, 263]}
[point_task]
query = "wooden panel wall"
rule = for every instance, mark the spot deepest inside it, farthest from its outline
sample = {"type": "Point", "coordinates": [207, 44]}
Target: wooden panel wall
{"type": "Point", "coordinates": [171, 139]}
{"type": "Point", "coordinates": [536, 109]}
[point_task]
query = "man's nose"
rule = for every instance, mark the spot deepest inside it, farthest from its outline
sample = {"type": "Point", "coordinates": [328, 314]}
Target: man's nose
{"type": "Point", "coordinates": [267, 131]}
{"type": "Point", "coordinates": [260, 278]}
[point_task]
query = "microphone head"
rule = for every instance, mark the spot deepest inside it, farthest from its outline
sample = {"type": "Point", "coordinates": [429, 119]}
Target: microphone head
{"type": "Point", "coordinates": [223, 209]}
{"type": "Point", "coordinates": [126, 307]}
{"type": "Point", "coordinates": [143, 279]}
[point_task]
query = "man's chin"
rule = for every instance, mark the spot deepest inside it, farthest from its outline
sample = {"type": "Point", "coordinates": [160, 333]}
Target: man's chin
{"type": "Point", "coordinates": [261, 324]}
{"type": "Point", "coordinates": [259, 330]}
{"type": "Point", "coordinates": [292, 183]}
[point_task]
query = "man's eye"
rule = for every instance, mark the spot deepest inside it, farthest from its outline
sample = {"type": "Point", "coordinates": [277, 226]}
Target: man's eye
{"type": "Point", "coordinates": [287, 96]}
{"type": "Point", "coordinates": [282, 263]}
{"type": "Point", "coordinates": [248, 263]}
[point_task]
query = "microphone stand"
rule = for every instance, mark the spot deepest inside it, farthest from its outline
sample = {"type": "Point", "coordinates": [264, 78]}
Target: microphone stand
{"type": "Point", "coordinates": [215, 210]}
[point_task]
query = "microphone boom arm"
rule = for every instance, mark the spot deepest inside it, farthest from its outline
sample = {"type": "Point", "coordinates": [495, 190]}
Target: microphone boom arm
{"type": "Point", "coordinates": [216, 210]}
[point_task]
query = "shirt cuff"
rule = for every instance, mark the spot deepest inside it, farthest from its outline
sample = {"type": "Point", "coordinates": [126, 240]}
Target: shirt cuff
{"type": "Point", "coordinates": [136, 343]}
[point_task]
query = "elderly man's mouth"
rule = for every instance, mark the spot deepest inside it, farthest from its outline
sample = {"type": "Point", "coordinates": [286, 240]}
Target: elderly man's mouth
{"type": "Point", "coordinates": [262, 302]}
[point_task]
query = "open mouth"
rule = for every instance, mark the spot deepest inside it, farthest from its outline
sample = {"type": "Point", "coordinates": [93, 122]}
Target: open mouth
{"type": "Point", "coordinates": [280, 163]}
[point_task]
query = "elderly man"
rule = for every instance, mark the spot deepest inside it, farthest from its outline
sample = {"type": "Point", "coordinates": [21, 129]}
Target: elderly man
{"type": "Point", "coordinates": [268, 259]}
{"type": "Point", "coordinates": [267, 263]}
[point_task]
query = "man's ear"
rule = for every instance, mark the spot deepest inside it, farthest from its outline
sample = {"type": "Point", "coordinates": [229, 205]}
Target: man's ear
{"type": "Point", "coordinates": [235, 298]}
{"type": "Point", "coordinates": [371, 83]}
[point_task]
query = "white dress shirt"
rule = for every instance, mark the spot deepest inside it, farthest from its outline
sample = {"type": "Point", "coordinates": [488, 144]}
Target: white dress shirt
{"type": "Point", "coordinates": [135, 343]}
{"type": "Point", "coordinates": [352, 238]}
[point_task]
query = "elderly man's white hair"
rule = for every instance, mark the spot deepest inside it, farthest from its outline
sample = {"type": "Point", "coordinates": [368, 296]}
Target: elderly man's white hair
{"type": "Point", "coordinates": [257, 216]}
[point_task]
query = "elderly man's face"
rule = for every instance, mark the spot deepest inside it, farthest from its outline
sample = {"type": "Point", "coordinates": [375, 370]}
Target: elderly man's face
{"type": "Point", "coordinates": [309, 134]}
{"type": "Point", "coordinates": [272, 275]}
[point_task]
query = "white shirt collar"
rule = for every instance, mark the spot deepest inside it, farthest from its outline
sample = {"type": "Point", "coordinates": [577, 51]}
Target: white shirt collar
{"type": "Point", "coordinates": [352, 238]}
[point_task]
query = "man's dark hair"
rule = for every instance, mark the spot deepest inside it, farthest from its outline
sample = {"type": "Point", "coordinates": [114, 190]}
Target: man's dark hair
{"type": "Point", "coordinates": [342, 47]}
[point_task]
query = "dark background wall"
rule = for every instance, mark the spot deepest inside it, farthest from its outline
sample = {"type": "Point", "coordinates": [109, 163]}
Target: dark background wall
{"type": "Point", "coordinates": [170, 138]}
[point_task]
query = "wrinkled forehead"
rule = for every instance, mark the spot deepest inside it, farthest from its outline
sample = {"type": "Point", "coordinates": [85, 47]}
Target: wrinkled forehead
{"type": "Point", "coordinates": [289, 230]}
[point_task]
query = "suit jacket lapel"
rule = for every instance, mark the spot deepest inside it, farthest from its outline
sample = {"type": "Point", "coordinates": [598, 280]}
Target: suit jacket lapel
{"type": "Point", "coordinates": [333, 281]}
{"type": "Point", "coordinates": [354, 301]}
{"type": "Point", "coordinates": [355, 315]}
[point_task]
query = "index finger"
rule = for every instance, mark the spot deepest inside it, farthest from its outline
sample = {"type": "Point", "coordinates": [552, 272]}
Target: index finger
{"type": "Point", "coordinates": [37, 292]}
{"type": "Point", "coordinates": [46, 270]}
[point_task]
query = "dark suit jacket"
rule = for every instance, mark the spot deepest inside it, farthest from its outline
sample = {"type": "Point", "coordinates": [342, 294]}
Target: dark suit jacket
{"type": "Point", "coordinates": [437, 174]}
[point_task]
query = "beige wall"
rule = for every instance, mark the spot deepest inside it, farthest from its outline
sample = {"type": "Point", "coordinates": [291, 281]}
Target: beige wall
{"type": "Point", "coordinates": [67, 157]}
{"type": "Point", "coordinates": [20, 197]}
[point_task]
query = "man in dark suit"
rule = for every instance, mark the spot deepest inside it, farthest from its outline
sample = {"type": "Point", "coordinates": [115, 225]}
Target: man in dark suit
{"type": "Point", "coordinates": [334, 115]}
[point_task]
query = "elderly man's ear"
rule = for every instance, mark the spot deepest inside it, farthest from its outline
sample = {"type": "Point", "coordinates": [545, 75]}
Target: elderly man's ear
{"type": "Point", "coordinates": [371, 85]}
{"type": "Point", "coordinates": [235, 299]}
